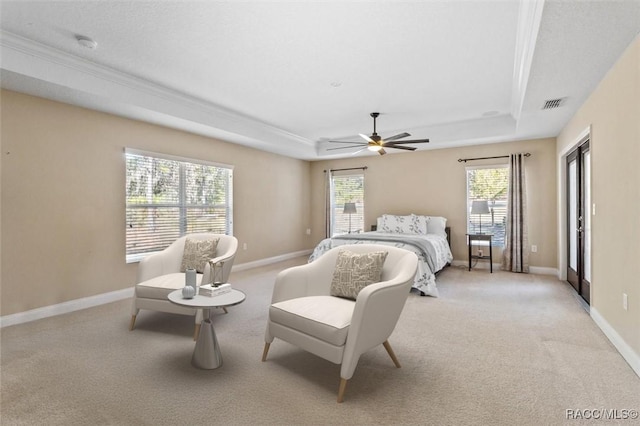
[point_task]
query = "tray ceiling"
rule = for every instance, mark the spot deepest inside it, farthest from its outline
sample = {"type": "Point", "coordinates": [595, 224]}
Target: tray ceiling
{"type": "Point", "coordinates": [286, 76]}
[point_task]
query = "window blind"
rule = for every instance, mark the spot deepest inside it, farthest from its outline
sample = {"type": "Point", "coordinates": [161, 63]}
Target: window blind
{"type": "Point", "coordinates": [169, 197]}
{"type": "Point", "coordinates": [488, 183]}
{"type": "Point", "coordinates": [347, 188]}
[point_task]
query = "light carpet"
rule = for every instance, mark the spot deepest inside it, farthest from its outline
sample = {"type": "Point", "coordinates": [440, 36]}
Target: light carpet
{"type": "Point", "coordinates": [494, 349]}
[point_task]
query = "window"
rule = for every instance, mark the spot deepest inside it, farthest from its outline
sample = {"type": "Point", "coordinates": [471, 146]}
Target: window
{"type": "Point", "coordinates": [347, 188]}
{"type": "Point", "coordinates": [488, 184]}
{"type": "Point", "coordinates": [168, 197]}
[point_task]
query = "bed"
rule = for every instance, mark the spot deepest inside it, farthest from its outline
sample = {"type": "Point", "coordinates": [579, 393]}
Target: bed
{"type": "Point", "coordinates": [426, 236]}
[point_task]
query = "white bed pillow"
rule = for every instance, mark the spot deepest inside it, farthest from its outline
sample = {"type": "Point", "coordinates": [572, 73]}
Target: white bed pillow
{"type": "Point", "coordinates": [436, 225]}
{"type": "Point", "coordinates": [410, 224]}
{"type": "Point", "coordinates": [394, 223]}
{"type": "Point", "coordinates": [421, 224]}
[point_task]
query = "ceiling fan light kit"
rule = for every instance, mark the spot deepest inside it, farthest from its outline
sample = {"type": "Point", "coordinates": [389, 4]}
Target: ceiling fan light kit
{"type": "Point", "coordinates": [376, 143]}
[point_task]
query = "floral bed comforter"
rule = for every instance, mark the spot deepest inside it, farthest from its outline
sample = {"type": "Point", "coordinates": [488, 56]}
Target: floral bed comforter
{"type": "Point", "coordinates": [432, 250]}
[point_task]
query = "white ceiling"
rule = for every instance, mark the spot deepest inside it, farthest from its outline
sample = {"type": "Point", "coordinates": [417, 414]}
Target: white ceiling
{"type": "Point", "coordinates": [286, 76]}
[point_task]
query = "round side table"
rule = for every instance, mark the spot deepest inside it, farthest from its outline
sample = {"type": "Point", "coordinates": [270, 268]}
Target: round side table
{"type": "Point", "coordinates": [206, 354]}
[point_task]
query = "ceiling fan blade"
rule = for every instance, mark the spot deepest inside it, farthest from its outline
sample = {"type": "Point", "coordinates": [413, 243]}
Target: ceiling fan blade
{"type": "Point", "coordinates": [412, 141]}
{"type": "Point", "coordinates": [398, 136]}
{"type": "Point", "coordinates": [348, 147]}
{"type": "Point", "coordinates": [354, 143]}
{"type": "Point", "coordinates": [407, 148]}
{"type": "Point", "coordinates": [381, 151]}
{"type": "Point", "coordinates": [366, 138]}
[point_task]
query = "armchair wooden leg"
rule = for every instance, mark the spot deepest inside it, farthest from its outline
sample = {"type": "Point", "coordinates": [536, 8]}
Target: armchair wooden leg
{"type": "Point", "coordinates": [225, 310]}
{"type": "Point", "coordinates": [264, 352]}
{"type": "Point", "coordinates": [132, 323]}
{"type": "Point", "coordinates": [343, 387]}
{"type": "Point", "coordinates": [196, 332]}
{"type": "Point", "coordinates": [387, 346]}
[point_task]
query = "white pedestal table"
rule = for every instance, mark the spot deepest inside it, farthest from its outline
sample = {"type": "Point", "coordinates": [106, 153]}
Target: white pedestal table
{"type": "Point", "coordinates": [206, 354]}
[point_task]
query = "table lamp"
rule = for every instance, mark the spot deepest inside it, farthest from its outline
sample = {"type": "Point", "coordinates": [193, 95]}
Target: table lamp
{"type": "Point", "coordinates": [480, 207]}
{"type": "Point", "coordinates": [349, 208]}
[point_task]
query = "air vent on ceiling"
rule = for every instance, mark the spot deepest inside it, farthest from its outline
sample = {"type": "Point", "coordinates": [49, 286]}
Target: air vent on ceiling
{"type": "Point", "coordinates": [553, 103]}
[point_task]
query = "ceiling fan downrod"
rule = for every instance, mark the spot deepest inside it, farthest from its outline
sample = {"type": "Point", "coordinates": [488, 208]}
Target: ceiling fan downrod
{"type": "Point", "coordinates": [374, 115]}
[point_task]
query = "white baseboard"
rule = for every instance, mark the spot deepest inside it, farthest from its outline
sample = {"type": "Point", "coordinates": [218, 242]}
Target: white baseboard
{"type": "Point", "coordinates": [543, 270]}
{"type": "Point", "coordinates": [625, 350]}
{"type": "Point", "coordinates": [270, 260]}
{"type": "Point", "coordinates": [65, 307]}
{"type": "Point", "coordinates": [113, 296]}
{"type": "Point", "coordinates": [539, 270]}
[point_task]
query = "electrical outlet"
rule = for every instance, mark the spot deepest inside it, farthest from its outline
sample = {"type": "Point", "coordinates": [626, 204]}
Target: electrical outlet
{"type": "Point", "coordinates": [244, 246]}
{"type": "Point", "coordinates": [480, 252]}
{"type": "Point", "coordinates": [308, 231]}
{"type": "Point", "coordinates": [593, 208]}
{"type": "Point", "coordinates": [534, 249]}
{"type": "Point", "coordinates": [625, 301]}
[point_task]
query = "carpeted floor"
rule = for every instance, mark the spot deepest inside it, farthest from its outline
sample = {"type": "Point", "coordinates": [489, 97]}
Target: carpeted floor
{"type": "Point", "coordinates": [494, 349]}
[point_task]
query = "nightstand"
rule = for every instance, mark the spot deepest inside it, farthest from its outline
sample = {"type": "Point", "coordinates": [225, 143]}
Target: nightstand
{"type": "Point", "coordinates": [480, 241]}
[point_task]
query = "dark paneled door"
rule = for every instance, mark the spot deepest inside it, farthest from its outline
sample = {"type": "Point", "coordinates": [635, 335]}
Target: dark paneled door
{"type": "Point", "coordinates": [578, 171]}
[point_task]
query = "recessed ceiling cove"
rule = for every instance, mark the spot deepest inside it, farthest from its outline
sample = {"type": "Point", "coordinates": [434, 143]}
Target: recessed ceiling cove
{"type": "Point", "coordinates": [287, 77]}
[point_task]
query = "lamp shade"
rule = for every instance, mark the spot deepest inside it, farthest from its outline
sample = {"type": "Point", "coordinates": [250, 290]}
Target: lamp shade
{"type": "Point", "coordinates": [480, 207]}
{"type": "Point", "coordinates": [349, 208]}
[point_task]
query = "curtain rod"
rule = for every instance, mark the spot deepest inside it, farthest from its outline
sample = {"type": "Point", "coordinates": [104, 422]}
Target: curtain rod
{"type": "Point", "coordinates": [460, 160]}
{"type": "Point", "coordinates": [352, 168]}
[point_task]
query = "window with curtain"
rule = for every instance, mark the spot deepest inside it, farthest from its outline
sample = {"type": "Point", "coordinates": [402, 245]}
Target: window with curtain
{"type": "Point", "coordinates": [347, 188]}
{"type": "Point", "coordinates": [487, 201]}
{"type": "Point", "coordinates": [168, 197]}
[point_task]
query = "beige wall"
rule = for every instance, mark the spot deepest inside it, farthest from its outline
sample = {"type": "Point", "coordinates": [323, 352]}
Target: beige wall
{"type": "Point", "coordinates": [434, 183]}
{"type": "Point", "coordinates": [613, 112]}
{"type": "Point", "coordinates": [63, 199]}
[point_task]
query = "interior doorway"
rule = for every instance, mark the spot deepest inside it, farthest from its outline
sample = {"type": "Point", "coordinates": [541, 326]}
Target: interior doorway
{"type": "Point", "coordinates": [578, 172]}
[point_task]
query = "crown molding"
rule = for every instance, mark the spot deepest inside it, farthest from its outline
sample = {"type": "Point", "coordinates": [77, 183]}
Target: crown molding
{"type": "Point", "coordinates": [529, 18]}
{"type": "Point", "coordinates": [36, 60]}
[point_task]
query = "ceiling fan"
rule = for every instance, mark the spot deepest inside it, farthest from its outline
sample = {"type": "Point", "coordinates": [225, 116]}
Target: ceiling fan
{"type": "Point", "coordinates": [376, 143]}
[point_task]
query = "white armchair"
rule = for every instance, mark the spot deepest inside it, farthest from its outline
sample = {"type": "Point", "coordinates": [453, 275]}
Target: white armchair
{"type": "Point", "coordinates": [337, 329]}
{"type": "Point", "coordinates": [159, 275]}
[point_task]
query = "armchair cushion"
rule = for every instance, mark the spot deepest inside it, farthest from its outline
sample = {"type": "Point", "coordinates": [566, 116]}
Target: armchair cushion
{"type": "Point", "coordinates": [160, 287]}
{"type": "Point", "coordinates": [324, 317]}
{"type": "Point", "coordinates": [355, 271]}
{"type": "Point", "coordinates": [197, 253]}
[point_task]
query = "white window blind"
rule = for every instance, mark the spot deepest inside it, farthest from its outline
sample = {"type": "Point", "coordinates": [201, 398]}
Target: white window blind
{"type": "Point", "coordinates": [490, 184]}
{"type": "Point", "coordinates": [169, 197]}
{"type": "Point", "coordinates": [347, 188]}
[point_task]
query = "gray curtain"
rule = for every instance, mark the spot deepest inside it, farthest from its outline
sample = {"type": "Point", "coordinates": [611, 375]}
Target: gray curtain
{"type": "Point", "coordinates": [515, 257]}
{"type": "Point", "coordinates": [327, 203]}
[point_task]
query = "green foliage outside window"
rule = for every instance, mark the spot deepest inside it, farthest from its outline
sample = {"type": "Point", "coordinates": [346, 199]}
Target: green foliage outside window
{"type": "Point", "coordinates": [167, 198]}
{"type": "Point", "coordinates": [490, 184]}
{"type": "Point", "coordinates": [347, 189]}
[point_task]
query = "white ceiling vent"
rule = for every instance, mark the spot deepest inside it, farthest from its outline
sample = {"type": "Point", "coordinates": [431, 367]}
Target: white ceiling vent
{"type": "Point", "coordinates": [553, 103]}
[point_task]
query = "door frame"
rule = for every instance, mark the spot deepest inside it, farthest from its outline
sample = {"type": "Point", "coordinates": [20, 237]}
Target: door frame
{"type": "Point", "coordinates": [581, 156]}
{"type": "Point", "coordinates": [563, 247]}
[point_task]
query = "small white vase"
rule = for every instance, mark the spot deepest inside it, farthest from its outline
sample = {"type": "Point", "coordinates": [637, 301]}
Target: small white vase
{"type": "Point", "coordinates": [190, 278]}
{"type": "Point", "coordinates": [188, 292]}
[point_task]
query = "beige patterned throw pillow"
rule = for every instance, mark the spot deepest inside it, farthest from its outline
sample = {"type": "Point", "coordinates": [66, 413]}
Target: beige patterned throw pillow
{"type": "Point", "coordinates": [197, 253]}
{"type": "Point", "coordinates": [355, 271]}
